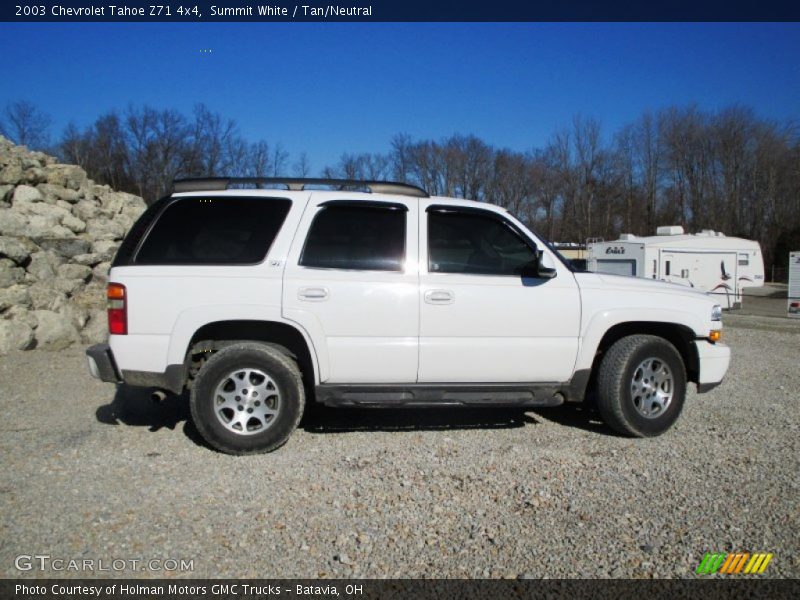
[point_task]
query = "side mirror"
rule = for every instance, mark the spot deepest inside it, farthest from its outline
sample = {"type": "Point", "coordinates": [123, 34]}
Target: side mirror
{"type": "Point", "coordinates": [535, 269]}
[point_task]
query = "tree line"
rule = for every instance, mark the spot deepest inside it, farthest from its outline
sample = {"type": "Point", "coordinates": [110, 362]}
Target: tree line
{"type": "Point", "coordinates": [728, 170]}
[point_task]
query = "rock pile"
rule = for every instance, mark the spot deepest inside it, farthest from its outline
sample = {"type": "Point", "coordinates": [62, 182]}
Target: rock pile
{"type": "Point", "coordinates": [58, 234]}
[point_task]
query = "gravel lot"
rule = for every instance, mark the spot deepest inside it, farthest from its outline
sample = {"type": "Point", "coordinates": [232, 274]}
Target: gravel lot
{"type": "Point", "coordinates": [88, 472]}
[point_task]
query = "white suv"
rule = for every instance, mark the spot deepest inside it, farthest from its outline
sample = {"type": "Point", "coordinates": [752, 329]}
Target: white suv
{"type": "Point", "coordinates": [375, 294]}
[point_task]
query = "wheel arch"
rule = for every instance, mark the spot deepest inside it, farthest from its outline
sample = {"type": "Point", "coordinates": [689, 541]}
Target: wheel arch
{"type": "Point", "coordinates": [283, 337]}
{"type": "Point", "coordinates": [680, 336]}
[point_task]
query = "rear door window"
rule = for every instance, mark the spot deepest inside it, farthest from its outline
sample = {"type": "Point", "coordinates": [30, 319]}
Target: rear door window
{"type": "Point", "coordinates": [214, 231]}
{"type": "Point", "coordinates": [357, 236]}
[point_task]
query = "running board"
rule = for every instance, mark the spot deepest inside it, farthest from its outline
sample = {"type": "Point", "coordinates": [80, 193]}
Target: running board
{"type": "Point", "coordinates": [441, 395]}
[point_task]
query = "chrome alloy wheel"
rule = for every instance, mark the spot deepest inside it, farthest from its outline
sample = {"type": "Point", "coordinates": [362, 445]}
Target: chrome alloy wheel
{"type": "Point", "coordinates": [652, 388]}
{"type": "Point", "coordinates": [247, 401]}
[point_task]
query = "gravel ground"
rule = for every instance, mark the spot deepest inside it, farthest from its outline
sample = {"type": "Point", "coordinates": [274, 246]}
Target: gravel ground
{"type": "Point", "coordinates": [88, 473]}
{"type": "Point", "coordinates": [769, 301]}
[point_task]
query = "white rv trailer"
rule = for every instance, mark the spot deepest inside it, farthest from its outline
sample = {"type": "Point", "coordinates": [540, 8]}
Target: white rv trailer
{"type": "Point", "coordinates": [793, 295]}
{"type": "Point", "coordinates": [708, 260]}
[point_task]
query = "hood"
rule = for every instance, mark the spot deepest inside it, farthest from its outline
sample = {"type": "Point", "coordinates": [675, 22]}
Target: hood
{"type": "Point", "coordinates": [622, 282]}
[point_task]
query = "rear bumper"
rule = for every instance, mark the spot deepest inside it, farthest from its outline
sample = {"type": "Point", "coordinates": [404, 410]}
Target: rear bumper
{"type": "Point", "coordinates": [714, 360]}
{"type": "Point", "coordinates": [103, 366]}
{"type": "Point", "coordinates": [101, 363]}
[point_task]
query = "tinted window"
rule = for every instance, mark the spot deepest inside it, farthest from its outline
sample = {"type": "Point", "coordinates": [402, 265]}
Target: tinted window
{"type": "Point", "coordinates": [211, 231]}
{"type": "Point", "coordinates": [364, 238]}
{"type": "Point", "coordinates": [124, 256]}
{"type": "Point", "coordinates": [472, 243]}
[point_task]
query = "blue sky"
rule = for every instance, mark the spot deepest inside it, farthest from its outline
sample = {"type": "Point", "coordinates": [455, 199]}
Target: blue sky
{"type": "Point", "coordinates": [333, 88]}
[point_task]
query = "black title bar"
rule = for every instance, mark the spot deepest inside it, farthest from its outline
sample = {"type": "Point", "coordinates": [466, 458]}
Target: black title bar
{"type": "Point", "coordinates": [396, 10]}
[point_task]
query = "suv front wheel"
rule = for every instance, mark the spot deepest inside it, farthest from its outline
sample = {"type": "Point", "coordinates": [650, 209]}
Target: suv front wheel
{"type": "Point", "coordinates": [641, 386]}
{"type": "Point", "coordinates": [247, 398]}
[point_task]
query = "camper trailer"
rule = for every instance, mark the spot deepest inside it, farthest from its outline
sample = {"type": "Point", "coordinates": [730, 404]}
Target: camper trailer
{"type": "Point", "coordinates": [793, 295]}
{"type": "Point", "coordinates": [708, 260]}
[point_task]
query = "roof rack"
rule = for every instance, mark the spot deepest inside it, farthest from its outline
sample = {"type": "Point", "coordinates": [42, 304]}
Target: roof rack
{"type": "Point", "coordinates": [297, 184]}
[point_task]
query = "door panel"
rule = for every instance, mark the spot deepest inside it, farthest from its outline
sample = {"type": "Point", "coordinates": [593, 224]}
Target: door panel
{"type": "Point", "coordinates": [496, 328]}
{"type": "Point", "coordinates": [369, 317]}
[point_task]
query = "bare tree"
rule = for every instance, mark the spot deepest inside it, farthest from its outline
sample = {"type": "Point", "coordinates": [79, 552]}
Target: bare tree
{"type": "Point", "coordinates": [211, 137]}
{"type": "Point", "coordinates": [728, 170]}
{"type": "Point", "coordinates": [280, 159]}
{"type": "Point", "coordinates": [26, 125]}
{"type": "Point", "coordinates": [302, 166]}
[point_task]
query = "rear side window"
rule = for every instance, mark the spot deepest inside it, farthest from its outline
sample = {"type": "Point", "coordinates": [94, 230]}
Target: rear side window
{"type": "Point", "coordinates": [214, 231]}
{"type": "Point", "coordinates": [367, 238]}
{"type": "Point", "coordinates": [128, 247]}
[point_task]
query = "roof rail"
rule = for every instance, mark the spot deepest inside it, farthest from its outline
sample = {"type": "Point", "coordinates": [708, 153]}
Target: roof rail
{"type": "Point", "coordinates": [297, 183]}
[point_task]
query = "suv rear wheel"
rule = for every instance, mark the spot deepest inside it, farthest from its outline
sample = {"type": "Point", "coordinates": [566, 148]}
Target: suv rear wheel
{"type": "Point", "coordinates": [641, 386]}
{"type": "Point", "coordinates": [247, 398]}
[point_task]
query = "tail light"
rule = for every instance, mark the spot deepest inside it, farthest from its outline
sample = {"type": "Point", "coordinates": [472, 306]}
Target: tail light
{"type": "Point", "coordinates": [117, 309]}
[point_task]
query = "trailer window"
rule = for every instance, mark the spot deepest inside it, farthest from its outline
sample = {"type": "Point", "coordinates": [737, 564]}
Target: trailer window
{"type": "Point", "coordinates": [744, 260]}
{"type": "Point", "coordinates": [666, 268]}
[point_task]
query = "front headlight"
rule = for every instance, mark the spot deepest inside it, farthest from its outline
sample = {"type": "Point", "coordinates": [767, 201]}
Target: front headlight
{"type": "Point", "coordinates": [716, 313]}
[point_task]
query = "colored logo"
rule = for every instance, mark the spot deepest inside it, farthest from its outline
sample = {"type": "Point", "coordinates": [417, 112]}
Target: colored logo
{"type": "Point", "coordinates": [734, 563]}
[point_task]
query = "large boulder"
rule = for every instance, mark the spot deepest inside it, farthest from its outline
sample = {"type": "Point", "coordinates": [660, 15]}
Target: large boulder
{"type": "Point", "coordinates": [86, 210]}
{"type": "Point", "coordinates": [96, 329]}
{"type": "Point", "coordinates": [47, 226]}
{"type": "Point", "coordinates": [93, 296]}
{"type": "Point", "coordinates": [52, 193]}
{"type": "Point", "coordinates": [53, 331]}
{"type": "Point", "coordinates": [6, 191]}
{"type": "Point", "coordinates": [44, 264]}
{"type": "Point", "coordinates": [66, 247]}
{"type": "Point", "coordinates": [35, 175]}
{"type": "Point", "coordinates": [15, 335]}
{"type": "Point", "coordinates": [100, 272]}
{"type": "Point", "coordinates": [59, 232]}
{"type": "Point", "coordinates": [67, 286]}
{"type": "Point", "coordinates": [21, 314]}
{"type": "Point", "coordinates": [71, 177]}
{"type": "Point", "coordinates": [105, 248]}
{"type": "Point", "coordinates": [16, 295]}
{"type": "Point", "coordinates": [30, 206]}
{"type": "Point", "coordinates": [12, 174]}
{"type": "Point", "coordinates": [74, 224]}
{"type": "Point", "coordinates": [75, 314]}
{"type": "Point", "coordinates": [73, 271]}
{"type": "Point", "coordinates": [44, 296]}
{"type": "Point", "coordinates": [12, 223]}
{"type": "Point", "coordinates": [26, 193]}
{"type": "Point", "coordinates": [105, 229]}
{"type": "Point", "coordinates": [90, 259]}
{"type": "Point", "coordinates": [10, 273]}
{"type": "Point", "coordinates": [17, 249]}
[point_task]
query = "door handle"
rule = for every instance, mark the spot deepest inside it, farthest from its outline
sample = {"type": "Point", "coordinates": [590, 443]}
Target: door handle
{"type": "Point", "coordinates": [439, 297]}
{"type": "Point", "coordinates": [313, 294]}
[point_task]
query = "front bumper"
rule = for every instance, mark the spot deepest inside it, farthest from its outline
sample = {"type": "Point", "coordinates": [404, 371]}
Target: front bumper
{"type": "Point", "coordinates": [101, 363]}
{"type": "Point", "coordinates": [714, 360]}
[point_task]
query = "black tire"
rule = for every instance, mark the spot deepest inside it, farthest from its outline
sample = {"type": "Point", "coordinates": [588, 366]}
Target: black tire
{"type": "Point", "coordinates": [258, 434]}
{"type": "Point", "coordinates": [622, 395]}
